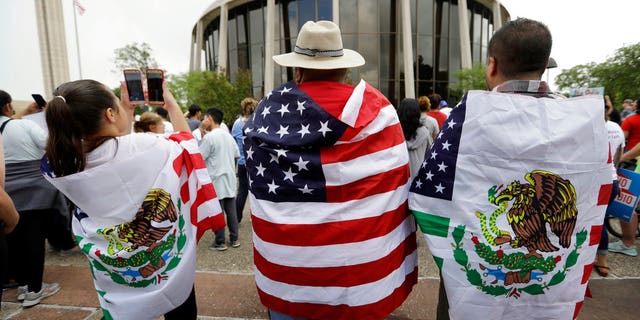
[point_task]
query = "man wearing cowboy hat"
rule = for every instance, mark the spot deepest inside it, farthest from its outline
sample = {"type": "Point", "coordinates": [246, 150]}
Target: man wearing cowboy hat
{"type": "Point", "coordinates": [328, 176]}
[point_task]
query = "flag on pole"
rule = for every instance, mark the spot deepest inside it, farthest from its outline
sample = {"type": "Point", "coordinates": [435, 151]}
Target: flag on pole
{"type": "Point", "coordinates": [333, 238]}
{"type": "Point", "coordinates": [138, 218]}
{"type": "Point", "coordinates": [78, 6]}
{"type": "Point", "coordinates": [511, 199]}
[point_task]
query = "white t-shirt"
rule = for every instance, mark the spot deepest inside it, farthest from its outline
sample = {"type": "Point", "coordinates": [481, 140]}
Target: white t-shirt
{"type": "Point", "coordinates": [616, 140]}
{"type": "Point", "coordinates": [24, 140]}
{"type": "Point", "coordinates": [168, 127]}
{"type": "Point", "coordinates": [196, 133]}
{"type": "Point", "coordinates": [219, 151]}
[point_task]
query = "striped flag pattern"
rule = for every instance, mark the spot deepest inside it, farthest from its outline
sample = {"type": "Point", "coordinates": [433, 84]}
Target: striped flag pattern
{"type": "Point", "coordinates": [332, 234]}
{"type": "Point", "coordinates": [491, 145]}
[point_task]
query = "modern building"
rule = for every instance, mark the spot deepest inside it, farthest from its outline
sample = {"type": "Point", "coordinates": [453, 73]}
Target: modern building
{"type": "Point", "coordinates": [411, 47]}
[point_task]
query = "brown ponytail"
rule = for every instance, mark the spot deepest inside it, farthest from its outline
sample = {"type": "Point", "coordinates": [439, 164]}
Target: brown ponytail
{"type": "Point", "coordinates": [73, 115]}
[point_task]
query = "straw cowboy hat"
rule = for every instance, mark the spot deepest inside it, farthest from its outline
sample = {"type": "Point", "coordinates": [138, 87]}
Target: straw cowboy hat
{"type": "Point", "coordinates": [319, 46]}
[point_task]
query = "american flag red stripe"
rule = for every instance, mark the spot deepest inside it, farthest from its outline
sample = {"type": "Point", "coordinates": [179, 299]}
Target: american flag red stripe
{"type": "Point", "coordinates": [382, 140]}
{"type": "Point", "coordinates": [363, 188]}
{"type": "Point", "coordinates": [330, 276]}
{"type": "Point", "coordinates": [376, 310]}
{"type": "Point", "coordinates": [348, 250]}
{"type": "Point", "coordinates": [330, 232]}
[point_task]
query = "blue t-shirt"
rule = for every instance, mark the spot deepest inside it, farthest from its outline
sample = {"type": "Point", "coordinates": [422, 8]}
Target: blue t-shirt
{"type": "Point", "coordinates": [236, 132]}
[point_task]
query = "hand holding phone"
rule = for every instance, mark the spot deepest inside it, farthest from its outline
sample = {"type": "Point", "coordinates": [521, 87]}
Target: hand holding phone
{"type": "Point", "coordinates": [133, 79]}
{"type": "Point", "coordinates": [39, 100]}
{"type": "Point", "coordinates": [155, 77]}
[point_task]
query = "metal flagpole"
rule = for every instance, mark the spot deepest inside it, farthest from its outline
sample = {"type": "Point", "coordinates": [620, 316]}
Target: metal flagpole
{"type": "Point", "coordinates": [75, 24]}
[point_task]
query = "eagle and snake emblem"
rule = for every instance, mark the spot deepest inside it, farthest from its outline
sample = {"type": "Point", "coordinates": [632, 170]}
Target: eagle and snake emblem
{"type": "Point", "coordinates": [142, 246]}
{"type": "Point", "coordinates": [543, 201]}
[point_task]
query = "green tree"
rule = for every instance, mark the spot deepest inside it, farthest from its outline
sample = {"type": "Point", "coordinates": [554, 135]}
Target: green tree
{"type": "Point", "coordinates": [469, 79]}
{"type": "Point", "coordinates": [619, 75]}
{"type": "Point", "coordinates": [211, 89]}
{"type": "Point", "coordinates": [580, 76]}
{"type": "Point", "coordinates": [135, 55]}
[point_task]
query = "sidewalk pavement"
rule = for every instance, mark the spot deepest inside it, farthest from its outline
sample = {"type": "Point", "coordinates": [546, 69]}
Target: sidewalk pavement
{"type": "Point", "coordinates": [225, 288]}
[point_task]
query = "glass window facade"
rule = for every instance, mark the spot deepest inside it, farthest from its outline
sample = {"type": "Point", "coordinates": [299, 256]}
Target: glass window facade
{"type": "Point", "coordinates": [372, 27]}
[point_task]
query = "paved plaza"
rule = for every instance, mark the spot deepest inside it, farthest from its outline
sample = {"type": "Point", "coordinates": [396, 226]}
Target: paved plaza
{"type": "Point", "coordinates": [225, 288]}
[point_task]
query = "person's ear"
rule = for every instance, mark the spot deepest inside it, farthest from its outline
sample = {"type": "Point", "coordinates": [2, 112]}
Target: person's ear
{"type": "Point", "coordinates": [110, 115]}
{"type": "Point", "coordinates": [491, 74]}
{"type": "Point", "coordinates": [492, 67]}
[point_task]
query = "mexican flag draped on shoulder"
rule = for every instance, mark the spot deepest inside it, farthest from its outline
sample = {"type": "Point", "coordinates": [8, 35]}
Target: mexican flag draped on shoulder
{"type": "Point", "coordinates": [511, 199]}
{"type": "Point", "coordinates": [139, 214]}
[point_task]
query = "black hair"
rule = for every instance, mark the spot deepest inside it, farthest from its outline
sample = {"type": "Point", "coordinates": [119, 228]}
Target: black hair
{"type": "Point", "coordinates": [73, 115]}
{"type": "Point", "coordinates": [216, 114]}
{"type": "Point", "coordinates": [193, 109]}
{"type": "Point", "coordinates": [434, 99]}
{"type": "Point", "coordinates": [5, 98]}
{"type": "Point", "coordinates": [409, 115]}
{"type": "Point", "coordinates": [521, 46]}
{"type": "Point", "coordinates": [162, 112]}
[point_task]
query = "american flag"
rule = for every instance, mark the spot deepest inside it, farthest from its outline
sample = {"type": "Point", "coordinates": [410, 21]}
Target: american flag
{"type": "Point", "coordinates": [332, 233]}
{"type": "Point", "coordinates": [78, 6]}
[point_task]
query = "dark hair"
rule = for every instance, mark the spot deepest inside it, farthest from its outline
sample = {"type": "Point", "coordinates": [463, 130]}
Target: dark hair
{"type": "Point", "coordinates": [409, 115]}
{"type": "Point", "coordinates": [521, 46]}
{"type": "Point", "coordinates": [75, 113]}
{"type": "Point", "coordinates": [434, 99]}
{"type": "Point", "coordinates": [216, 114]}
{"type": "Point", "coordinates": [4, 98]}
{"type": "Point", "coordinates": [193, 109]}
{"type": "Point", "coordinates": [162, 112]}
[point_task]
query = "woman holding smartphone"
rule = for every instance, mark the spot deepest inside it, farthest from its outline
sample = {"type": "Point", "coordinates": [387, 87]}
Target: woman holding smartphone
{"type": "Point", "coordinates": [141, 202]}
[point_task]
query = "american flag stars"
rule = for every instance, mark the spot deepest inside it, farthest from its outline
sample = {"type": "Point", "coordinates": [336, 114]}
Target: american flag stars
{"type": "Point", "coordinates": [300, 106]}
{"type": "Point", "coordinates": [283, 146]}
{"type": "Point", "coordinates": [437, 173]}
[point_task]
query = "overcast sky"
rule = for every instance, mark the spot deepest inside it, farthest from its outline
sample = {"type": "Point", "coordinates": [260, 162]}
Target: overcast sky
{"type": "Point", "coordinates": [583, 31]}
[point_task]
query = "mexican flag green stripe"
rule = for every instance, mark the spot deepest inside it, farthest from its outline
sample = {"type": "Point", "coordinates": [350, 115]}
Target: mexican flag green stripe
{"type": "Point", "coordinates": [438, 261]}
{"type": "Point", "coordinates": [431, 224]}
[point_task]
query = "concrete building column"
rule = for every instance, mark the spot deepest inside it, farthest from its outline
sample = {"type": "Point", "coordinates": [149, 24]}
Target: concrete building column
{"type": "Point", "coordinates": [407, 46]}
{"type": "Point", "coordinates": [335, 11]}
{"type": "Point", "coordinates": [192, 59]}
{"type": "Point", "coordinates": [497, 15]}
{"type": "Point", "coordinates": [465, 38]}
{"type": "Point", "coordinates": [53, 45]}
{"type": "Point", "coordinates": [199, 42]}
{"type": "Point", "coordinates": [223, 45]}
{"type": "Point", "coordinates": [269, 30]}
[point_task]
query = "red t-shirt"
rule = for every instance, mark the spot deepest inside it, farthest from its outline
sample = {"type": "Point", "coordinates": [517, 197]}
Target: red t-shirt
{"type": "Point", "coordinates": [439, 116]}
{"type": "Point", "coordinates": [631, 127]}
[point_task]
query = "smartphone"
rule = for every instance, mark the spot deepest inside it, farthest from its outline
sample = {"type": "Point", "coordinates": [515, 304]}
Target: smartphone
{"type": "Point", "coordinates": [133, 78]}
{"type": "Point", "coordinates": [155, 77]}
{"type": "Point", "coordinates": [39, 100]}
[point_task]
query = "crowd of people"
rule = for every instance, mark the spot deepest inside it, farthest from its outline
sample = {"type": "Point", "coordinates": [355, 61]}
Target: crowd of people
{"type": "Point", "coordinates": [337, 178]}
